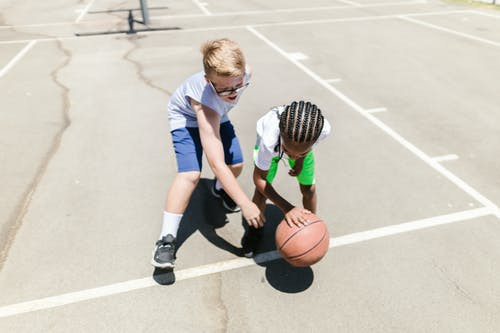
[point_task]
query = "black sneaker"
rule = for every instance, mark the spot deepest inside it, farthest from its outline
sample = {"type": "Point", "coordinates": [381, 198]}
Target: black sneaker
{"type": "Point", "coordinates": [227, 202]}
{"type": "Point", "coordinates": [164, 252]}
{"type": "Point", "coordinates": [250, 241]}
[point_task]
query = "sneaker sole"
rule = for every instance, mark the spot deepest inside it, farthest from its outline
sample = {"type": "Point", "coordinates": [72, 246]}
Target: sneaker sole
{"type": "Point", "coordinates": [212, 189]}
{"type": "Point", "coordinates": [234, 210]}
{"type": "Point", "coordinates": [248, 254]}
{"type": "Point", "coordinates": [158, 265]}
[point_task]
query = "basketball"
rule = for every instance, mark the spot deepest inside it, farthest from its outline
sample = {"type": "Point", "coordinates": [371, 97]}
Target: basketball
{"type": "Point", "coordinates": [303, 246]}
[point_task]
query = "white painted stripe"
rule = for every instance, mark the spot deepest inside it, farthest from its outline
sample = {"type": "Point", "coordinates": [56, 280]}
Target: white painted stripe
{"type": "Point", "coordinates": [351, 19]}
{"type": "Point", "coordinates": [375, 110]}
{"type": "Point", "coordinates": [84, 11]}
{"type": "Point", "coordinates": [443, 158]}
{"type": "Point", "coordinates": [190, 273]}
{"type": "Point", "coordinates": [202, 7]}
{"type": "Point", "coordinates": [298, 56]}
{"type": "Point", "coordinates": [258, 12]}
{"type": "Point", "coordinates": [405, 143]}
{"type": "Point", "coordinates": [254, 12]}
{"type": "Point", "coordinates": [333, 80]}
{"type": "Point", "coordinates": [485, 14]}
{"type": "Point", "coordinates": [409, 226]}
{"type": "Point", "coordinates": [352, 3]}
{"type": "Point", "coordinates": [17, 58]}
{"type": "Point", "coordinates": [450, 31]}
{"type": "Point", "coordinates": [291, 10]}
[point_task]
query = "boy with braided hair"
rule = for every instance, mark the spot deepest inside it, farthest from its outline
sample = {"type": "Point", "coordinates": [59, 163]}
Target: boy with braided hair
{"type": "Point", "coordinates": [292, 130]}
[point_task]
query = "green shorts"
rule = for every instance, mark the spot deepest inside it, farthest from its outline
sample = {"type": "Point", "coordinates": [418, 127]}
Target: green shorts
{"type": "Point", "coordinates": [306, 176]}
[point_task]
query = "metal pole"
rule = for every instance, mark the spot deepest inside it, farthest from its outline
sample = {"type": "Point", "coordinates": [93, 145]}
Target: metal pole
{"type": "Point", "coordinates": [145, 12]}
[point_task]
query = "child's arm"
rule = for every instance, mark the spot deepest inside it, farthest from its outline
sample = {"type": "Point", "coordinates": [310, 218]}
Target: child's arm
{"type": "Point", "coordinates": [293, 215]}
{"type": "Point", "coordinates": [208, 124]}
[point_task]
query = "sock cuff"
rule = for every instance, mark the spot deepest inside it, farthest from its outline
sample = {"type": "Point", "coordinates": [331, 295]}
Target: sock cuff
{"type": "Point", "coordinates": [173, 216]}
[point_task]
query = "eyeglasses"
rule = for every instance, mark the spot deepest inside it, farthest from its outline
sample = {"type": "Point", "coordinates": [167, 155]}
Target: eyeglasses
{"type": "Point", "coordinates": [229, 91]}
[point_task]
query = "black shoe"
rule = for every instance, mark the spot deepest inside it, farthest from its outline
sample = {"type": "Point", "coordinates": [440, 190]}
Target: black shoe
{"type": "Point", "coordinates": [164, 252]}
{"type": "Point", "coordinates": [227, 202]}
{"type": "Point", "coordinates": [250, 241]}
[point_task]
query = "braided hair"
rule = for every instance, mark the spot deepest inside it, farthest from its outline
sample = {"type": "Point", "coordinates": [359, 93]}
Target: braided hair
{"type": "Point", "coordinates": [301, 122]}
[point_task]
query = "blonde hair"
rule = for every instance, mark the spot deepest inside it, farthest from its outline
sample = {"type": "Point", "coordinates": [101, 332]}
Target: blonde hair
{"type": "Point", "coordinates": [223, 57]}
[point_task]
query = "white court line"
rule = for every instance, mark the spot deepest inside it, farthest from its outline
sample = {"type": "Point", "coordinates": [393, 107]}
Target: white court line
{"type": "Point", "coordinates": [290, 10]}
{"type": "Point", "coordinates": [339, 20]}
{"type": "Point", "coordinates": [375, 110]}
{"type": "Point", "coordinates": [84, 11]}
{"type": "Point", "coordinates": [443, 158]}
{"type": "Point", "coordinates": [190, 273]}
{"type": "Point", "coordinates": [454, 32]}
{"type": "Point", "coordinates": [405, 143]}
{"type": "Point", "coordinates": [333, 80]}
{"type": "Point", "coordinates": [485, 14]}
{"type": "Point", "coordinates": [298, 56]}
{"type": "Point", "coordinates": [202, 7]}
{"type": "Point", "coordinates": [17, 58]}
{"type": "Point", "coordinates": [254, 12]}
{"type": "Point", "coordinates": [352, 3]}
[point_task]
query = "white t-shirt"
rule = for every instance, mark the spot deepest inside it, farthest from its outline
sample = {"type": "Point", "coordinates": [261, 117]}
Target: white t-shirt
{"type": "Point", "coordinates": [180, 113]}
{"type": "Point", "coordinates": [268, 131]}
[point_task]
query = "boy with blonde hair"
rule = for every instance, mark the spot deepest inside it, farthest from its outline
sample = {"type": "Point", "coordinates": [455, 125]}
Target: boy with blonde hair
{"type": "Point", "coordinates": [197, 114]}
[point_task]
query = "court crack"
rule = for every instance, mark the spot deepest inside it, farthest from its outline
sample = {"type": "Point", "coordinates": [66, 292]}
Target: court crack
{"type": "Point", "coordinates": [445, 276]}
{"type": "Point", "coordinates": [139, 69]}
{"type": "Point", "coordinates": [15, 222]}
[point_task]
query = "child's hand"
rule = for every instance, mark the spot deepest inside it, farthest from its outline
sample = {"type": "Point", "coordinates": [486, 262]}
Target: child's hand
{"type": "Point", "coordinates": [297, 216]}
{"type": "Point", "coordinates": [297, 168]}
{"type": "Point", "coordinates": [251, 213]}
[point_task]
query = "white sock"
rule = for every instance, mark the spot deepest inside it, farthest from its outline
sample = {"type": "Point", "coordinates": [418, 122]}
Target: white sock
{"type": "Point", "coordinates": [171, 224]}
{"type": "Point", "coordinates": [218, 185]}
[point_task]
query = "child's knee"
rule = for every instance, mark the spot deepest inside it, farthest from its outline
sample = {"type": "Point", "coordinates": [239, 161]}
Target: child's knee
{"type": "Point", "coordinates": [308, 191]}
{"type": "Point", "coordinates": [236, 168]}
{"type": "Point", "coordinates": [191, 177]}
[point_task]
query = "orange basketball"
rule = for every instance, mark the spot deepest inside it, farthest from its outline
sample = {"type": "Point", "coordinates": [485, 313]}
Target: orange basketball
{"type": "Point", "coordinates": [303, 246]}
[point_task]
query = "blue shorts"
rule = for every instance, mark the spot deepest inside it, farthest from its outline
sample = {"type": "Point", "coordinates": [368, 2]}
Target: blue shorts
{"type": "Point", "coordinates": [188, 149]}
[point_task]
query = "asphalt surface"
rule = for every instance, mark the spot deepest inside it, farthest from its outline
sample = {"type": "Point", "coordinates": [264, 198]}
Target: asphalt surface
{"type": "Point", "coordinates": [408, 182]}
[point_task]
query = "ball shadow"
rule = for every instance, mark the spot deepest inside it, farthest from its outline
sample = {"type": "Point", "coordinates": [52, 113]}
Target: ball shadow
{"type": "Point", "coordinates": [280, 274]}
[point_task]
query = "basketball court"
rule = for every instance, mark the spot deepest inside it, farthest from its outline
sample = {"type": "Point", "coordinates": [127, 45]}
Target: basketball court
{"type": "Point", "coordinates": [408, 183]}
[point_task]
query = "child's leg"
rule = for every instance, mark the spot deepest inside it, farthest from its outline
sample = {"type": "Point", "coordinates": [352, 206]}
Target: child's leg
{"type": "Point", "coordinates": [236, 169]}
{"type": "Point", "coordinates": [260, 200]}
{"type": "Point", "coordinates": [180, 191]}
{"type": "Point", "coordinates": [188, 151]}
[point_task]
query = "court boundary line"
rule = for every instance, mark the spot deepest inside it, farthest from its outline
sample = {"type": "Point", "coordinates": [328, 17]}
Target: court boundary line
{"type": "Point", "coordinates": [244, 26]}
{"type": "Point", "coordinates": [201, 7]}
{"type": "Point", "coordinates": [449, 31]}
{"type": "Point", "coordinates": [231, 264]}
{"type": "Point", "coordinates": [293, 10]}
{"type": "Point", "coordinates": [17, 57]}
{"type": "Point", "coordinates": [84, 11]}
{"type": "Point", "coordinates": [249, 12]}
{"type": "Point", "coordinates": [485, 14]}
{"type": "Point", "coordinates": [381, 125]}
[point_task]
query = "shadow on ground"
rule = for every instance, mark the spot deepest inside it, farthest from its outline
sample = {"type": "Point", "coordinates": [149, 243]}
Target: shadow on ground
{"type": "Point", "coordinates": [206, 214]}
{"type": "Point", "coordinates": [281, 275]}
